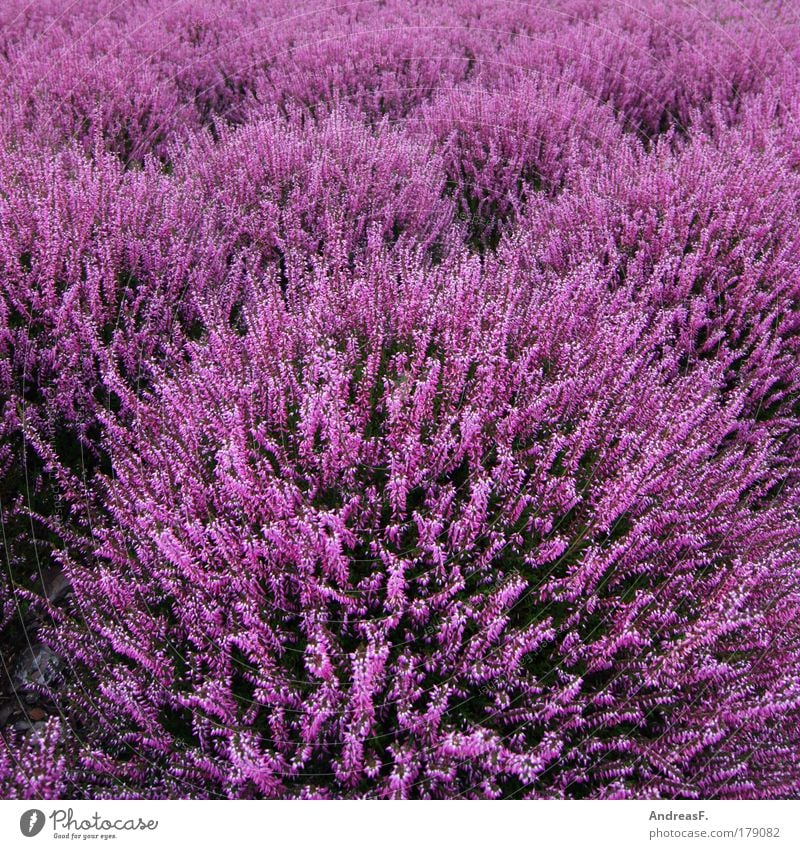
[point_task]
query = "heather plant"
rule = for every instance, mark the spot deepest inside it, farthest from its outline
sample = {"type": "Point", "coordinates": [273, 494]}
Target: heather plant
{"type": "Point", "coordinates": [399, 400]}
{"type": "Point", "coordinates": [404, 578]}
{"type": "Point", "coordinates": [69, 307]}
{"type": "Point", "coordinates": [501, 144]}
{"type": "Point", "coordinates": [291, 193]}
{"type": "Point", "coordinates": [32, 767]}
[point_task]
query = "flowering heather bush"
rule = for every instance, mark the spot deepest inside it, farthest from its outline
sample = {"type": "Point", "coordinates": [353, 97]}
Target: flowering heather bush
{"type": "Point", "coordinates": [400, 399]}
{"type": "Point", "coordinates": [32, 768]}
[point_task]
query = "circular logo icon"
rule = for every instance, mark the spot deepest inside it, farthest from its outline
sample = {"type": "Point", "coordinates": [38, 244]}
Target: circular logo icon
{"type": "Point", "coordinates": [31, 822]}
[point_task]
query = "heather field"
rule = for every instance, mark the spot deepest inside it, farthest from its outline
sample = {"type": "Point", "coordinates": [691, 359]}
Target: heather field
{"type": "Point", "coordinates": [400, 399]}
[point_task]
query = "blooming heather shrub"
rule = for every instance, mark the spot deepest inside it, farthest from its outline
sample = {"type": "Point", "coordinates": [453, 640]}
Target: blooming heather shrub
{"type": "Point", "coordinates": [68, 310]}
{"type": "Point", "coordinates": [32, 768]}
{"type": "Point", "coordinates": [386, 70]}
{"type": "Point", "coordinates": [656, 64]}
{"type": "Point", "coordinates": [717, 248]}
{"type": "Point", "coordinates": [409, 394]}
{"type": "Point", "coordinates": [500, 146]}
{"type": "Point", "coordinates": [290, 193]}
{"type": "Point", "coordinates": [386, 565]}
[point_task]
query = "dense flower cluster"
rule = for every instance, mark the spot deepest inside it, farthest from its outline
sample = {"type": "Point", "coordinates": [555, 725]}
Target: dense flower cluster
{"type": "Point", "coordinates": [407, 395]}
{"type": "Point", "coordinates": [32, 768]}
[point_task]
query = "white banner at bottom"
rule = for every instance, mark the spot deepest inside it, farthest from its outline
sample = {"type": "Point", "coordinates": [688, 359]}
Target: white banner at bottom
{"type": "Point", "coordinates": [390, 825]}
